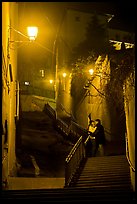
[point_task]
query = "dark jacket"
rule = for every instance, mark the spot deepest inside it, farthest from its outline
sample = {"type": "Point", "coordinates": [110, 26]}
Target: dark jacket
{"type": "Point", "coordinates": [99, 134]}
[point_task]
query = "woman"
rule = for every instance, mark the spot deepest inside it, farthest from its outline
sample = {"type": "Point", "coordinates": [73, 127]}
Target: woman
{"type": "Point", "coordinates": [90, 141]}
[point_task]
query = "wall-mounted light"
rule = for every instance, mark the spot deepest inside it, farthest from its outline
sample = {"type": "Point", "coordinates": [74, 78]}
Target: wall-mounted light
{"type": "Point", "coordinates": [32, 32]}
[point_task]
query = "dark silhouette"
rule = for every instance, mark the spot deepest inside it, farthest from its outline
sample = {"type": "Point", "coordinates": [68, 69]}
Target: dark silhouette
{"type": "Point", "coordinates": [99, 138]}
{"type": "Point", "coordinates": [123, 47]}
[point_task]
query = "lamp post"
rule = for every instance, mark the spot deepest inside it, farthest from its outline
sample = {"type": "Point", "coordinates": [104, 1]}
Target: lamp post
{"type": "Point", "coordinates": [55, 53]}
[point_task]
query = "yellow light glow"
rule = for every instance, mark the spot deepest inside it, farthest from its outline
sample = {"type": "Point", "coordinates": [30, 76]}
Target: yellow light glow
{"type": "Point", "coordinates": [64, 74]}
{"type": "Point", "coordinates": [32, 32]}
{"type": "Point", "coordinates": [91, 71]}
{"type": "Point", "coordinates": [50, 81]}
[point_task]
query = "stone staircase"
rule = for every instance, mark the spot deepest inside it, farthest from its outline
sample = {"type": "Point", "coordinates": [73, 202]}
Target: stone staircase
{"type": "Point", "coordinates": [108, 177]}
{"type": "Point", "coordinates": [104, 171]}
{"type": "Point", "coordinates": [99, 179]}
{"type": "Point", "coordinates": [104, 178]}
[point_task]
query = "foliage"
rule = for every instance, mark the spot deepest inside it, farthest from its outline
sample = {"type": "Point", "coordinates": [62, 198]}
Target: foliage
{"type": "Point", "coordinates": [121, 66]}
{"type": "Point", "coordinates": [87, 52]}
{"type": "Point", "coordinates": [79, 77]}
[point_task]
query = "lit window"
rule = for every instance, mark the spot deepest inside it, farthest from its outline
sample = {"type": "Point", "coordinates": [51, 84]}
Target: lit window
{"type": "Point", "coordinates": [42, 72]}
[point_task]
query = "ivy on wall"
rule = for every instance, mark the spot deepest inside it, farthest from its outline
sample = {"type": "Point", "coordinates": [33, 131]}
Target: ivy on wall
{"type": "Point", "coordinates": [121, 66]}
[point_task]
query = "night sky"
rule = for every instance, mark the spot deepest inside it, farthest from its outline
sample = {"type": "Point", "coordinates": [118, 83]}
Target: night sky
{"type": "Point", "coordinates": [124, 11]}
{"type": "Point", "coordinates": [48, 16]}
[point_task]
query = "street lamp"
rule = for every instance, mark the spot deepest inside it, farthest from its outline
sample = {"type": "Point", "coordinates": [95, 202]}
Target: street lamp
{"type": "Point", "coordinates": [32, 33]}
{"type": "Point", "coordinates": [64, 74]}
{"type": "Point", "coordinates": [51, 81]}
{"type": "Point", "coordinates": [91, 71]}
{"type": "Point", "coordinates": [55, 53]}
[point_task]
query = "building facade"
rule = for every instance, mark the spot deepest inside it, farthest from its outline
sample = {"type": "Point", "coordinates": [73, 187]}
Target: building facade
{"type": "Point", "coordinates": [10, 95]}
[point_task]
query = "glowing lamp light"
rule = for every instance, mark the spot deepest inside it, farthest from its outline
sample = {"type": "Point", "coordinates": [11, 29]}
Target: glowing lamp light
{"type": "Point", "coordinates": [27, 83]}
{"type": "Point", "coordinates": [32, 33]}
{"type": "Point", "coordinates": [64, 74]}
{"type": "Point", "coordinates": [91, 71]}
{"type": "Point", "coordinates": [50, 81]}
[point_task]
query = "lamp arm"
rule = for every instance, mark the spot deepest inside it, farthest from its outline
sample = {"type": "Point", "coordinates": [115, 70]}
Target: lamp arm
{"type": "Point", "coordinates": [19, 32]}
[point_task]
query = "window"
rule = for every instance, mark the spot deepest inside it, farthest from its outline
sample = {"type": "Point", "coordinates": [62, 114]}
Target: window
{"type": "Point", "coordinates": [42, 73]}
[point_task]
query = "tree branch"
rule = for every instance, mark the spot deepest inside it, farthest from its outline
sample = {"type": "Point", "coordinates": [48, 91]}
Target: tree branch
{"type": "Point", "coordinates": [98, 90]}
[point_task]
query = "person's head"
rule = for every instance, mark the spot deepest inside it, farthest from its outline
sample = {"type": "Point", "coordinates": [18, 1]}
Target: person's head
{"type": "Point", "coordinates": [98, 122]}
{"type": "Point", "coordinates": [93, 123]}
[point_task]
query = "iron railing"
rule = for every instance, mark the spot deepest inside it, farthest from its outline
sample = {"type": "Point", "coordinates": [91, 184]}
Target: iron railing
{"type": "Point", "coordinates": [73, 160]}
{"type": "Point", "coordinates": [63, 127]}
{"type": "Point", "coordinates": [77, 130]}
{"type": "Point", "coordinates": [50, 111]}
{"type": "Point", "coordinates": [77, 153]}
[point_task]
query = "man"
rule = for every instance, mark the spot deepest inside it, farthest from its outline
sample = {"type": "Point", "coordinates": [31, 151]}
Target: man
{"type": "Point", "coordinates": [99, 138]}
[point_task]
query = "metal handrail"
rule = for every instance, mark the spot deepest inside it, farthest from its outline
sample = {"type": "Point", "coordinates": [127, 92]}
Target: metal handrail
{"type": "Point", "coordinates": [4, 67]}
{"type": "Point", "coordinates": [77, 130]}
{"type": "Point", "coordinates": [73, 150]}
{"type": "Point", "coordinates": [73, 160]}
{"type": "Point", "coordinates": [127, 154]}
{"type": "Point", "coordinates": [50, 110]}
{"type": "Point", "coordinates": [63, 127]}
